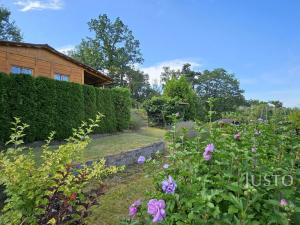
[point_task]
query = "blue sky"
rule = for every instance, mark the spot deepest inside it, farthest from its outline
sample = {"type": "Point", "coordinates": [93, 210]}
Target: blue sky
{"type": "Point", "coordinates": [257, 40]}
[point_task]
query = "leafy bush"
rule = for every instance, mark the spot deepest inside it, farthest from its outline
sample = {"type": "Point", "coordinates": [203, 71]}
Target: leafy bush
{"type": "Point", "coordinates": [51, 192]}
{"type": "Point", "coordinates": [161, 109]}
{"type": "Point", "coordinates": [181, 90]}
{"type": "Point", "coordinates": [178, 98]}
{"type": "Point", "coordinates": [69, 108]}
{"type": "Point", "coordinates": [4, 109]}
{"type": "Point", "coordinates": [294, 118]}
{"type": "Point", "coordinates": [90, 99]}
{"type": "Point", "coordinates": [22, 101]}
{"type": "Point", "coordinates": [49, 105]}
{"type": "Point", "coordinates": [45, 113]}
{"type": "Point", "coordinates": [246, 174]}
{"type": "Point", "coordinates": [186, 129]}
{"type": "Point", "coordinates": [122, 102]}
{"type": "Point", "coordinates": [105, 105]}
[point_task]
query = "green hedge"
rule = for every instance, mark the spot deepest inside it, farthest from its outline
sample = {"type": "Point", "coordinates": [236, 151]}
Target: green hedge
{"type": "Point", "coordinates": [122, 101]}
{"type": "Point", "coordinates": [48, 105]}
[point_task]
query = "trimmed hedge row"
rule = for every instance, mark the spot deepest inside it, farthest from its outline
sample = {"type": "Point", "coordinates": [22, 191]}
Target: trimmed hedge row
{"type": "Point", "coordinates": [49, 105]}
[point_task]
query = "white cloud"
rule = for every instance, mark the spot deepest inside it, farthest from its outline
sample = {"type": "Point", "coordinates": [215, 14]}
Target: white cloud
{"type": "Point", "coordinates": [155, 70]}
{"type": "Point", "coordinates": [66, 49]}
{"type": "Point", "coordinates": [28, 5]}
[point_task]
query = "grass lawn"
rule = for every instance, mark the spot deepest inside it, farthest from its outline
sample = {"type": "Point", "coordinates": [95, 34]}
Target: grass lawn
{"type": "Point", "coordinates": [114, 144]}
{"type": "Point", "coordinates": [123, 189]}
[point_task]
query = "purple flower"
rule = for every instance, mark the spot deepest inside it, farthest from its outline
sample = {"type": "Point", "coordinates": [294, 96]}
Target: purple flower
{"type": "Point", "coordinates": [283, 202]}
{"type": "Point", "coordinates": [254, 149]}
{"type": "Point", "coordinates": [210, 148]}
{"type": "Point", "coordinates": [166, 166]}
{"type": "Point", "coordinates": [141, 159]}
{"type": "Point", "coordinates": [169, 185]}
{"type": "Point", "coordinates": [156, 208]}
{"type": "Point", "coordinates": [133, 209]}
{"type": "Point", "coordinates": [237, 136]}
{"type": "Point", "coordinates": [207, 154]}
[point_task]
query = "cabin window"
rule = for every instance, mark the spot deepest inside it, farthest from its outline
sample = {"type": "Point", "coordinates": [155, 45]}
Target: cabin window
{"type": "Point", "coordinates": [61, 77]}
{"type": "Point", "coordinates": [21, 70]}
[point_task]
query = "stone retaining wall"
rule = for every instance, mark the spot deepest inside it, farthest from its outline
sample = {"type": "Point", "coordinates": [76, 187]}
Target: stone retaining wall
{"type": "Point", "coordinates": [130, 157]}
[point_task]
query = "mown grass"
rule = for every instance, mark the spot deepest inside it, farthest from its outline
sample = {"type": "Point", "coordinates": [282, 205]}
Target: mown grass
{"type": "Point", "coordinates": [123, 189]}
{"type": "Point", "coordinates": [115, 144]}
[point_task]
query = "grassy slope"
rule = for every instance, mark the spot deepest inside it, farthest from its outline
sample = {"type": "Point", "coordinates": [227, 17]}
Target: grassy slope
{"type": "Point", "coordinates": [115, 144]}
{"type": "Point", "coordinates": [123, 190]}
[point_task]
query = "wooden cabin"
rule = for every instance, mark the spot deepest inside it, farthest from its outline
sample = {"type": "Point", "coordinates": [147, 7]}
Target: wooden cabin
{"type": "Point", "coordinates": [43, 60]}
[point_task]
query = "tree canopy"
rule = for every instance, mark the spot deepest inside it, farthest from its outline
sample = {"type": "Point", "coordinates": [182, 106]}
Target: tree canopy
{"type": "Point", "coordinates": [113, 48]}
{"type": "Point", "coordinates": [8, 29]}
{"type": "Point", "coordinates": [223, 87]}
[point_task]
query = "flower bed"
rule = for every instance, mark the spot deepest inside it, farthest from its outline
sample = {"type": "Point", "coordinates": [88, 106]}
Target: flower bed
{"type": "Point", "coordinates": [246, 174]}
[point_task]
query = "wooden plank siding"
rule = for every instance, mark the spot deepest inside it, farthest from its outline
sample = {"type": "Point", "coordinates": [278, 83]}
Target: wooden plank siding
{"type": "Point", "coordinates": [42, 62]}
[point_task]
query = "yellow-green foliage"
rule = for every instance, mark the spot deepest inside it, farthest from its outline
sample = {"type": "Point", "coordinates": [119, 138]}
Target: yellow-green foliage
{"type": "Point", "coordinates": [27, 182]}
{"type": "Point", "coordinates": [294, 118]}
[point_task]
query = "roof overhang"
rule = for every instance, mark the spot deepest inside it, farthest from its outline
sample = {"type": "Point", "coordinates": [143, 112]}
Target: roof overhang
{"type": "Point", "coordinates": [106, 79]}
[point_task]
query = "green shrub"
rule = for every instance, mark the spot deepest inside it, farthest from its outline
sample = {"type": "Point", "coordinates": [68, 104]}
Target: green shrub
{"type": "Point", "coordinates": [54, 191]}
{"type": "Point", "coordinates": [181, 90]}
{"type": "Point", "coordinates": [160, 110]}
{"type": "Point", "coordinates": [294, 118]}
{"type": "Point", "coordinates": [90, 107]}
{"type": "Point", "coordinates": [46, 107]}
{"type": "Point", "coordinates": [251, 178]}
{"type": "Point", "coordinates": [122, 102]}
{"type": "Point", "coordinates": [186, 129]}
{"type": "Point", "coordinates": [4, 108]}
{"type": "Point", "coordinates": [69, 108]}
{"type": "Point", "coordinates": [49, 105]}
{"type": "Point", "coordinates": [22, 101]}
{"type": "Point", "coordinates": [105, 106]}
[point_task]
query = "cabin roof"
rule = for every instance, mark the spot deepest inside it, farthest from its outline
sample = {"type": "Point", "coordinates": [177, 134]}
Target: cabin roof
{"type": "Point", "coordinates": [47, 47]}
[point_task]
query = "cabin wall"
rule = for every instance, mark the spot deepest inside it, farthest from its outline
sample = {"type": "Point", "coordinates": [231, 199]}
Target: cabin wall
{"type": "Point", "coordinates": [42, 62]}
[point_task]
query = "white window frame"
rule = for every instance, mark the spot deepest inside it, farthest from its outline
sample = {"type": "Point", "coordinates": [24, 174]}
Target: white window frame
{"type": "Point", "coordinates": [21, 69]}
{"type": "Point", "coordinates": [61, 77]}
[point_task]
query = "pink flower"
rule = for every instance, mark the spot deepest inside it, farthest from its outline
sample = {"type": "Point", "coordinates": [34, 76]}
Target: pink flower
{"type": "Point", "coordinates": [207, 154]}
{"type": "Point", "coordinates": [133, 209]}
{"type": "Point", "coordinates": [283, 202]}
{"type": "Point", "coordinates": [237, 136]}
{"type": "Point", "coordinates": [156, 208]}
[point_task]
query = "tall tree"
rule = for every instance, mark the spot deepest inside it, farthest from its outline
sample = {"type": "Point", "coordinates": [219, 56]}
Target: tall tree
{"type": "Point", "coordinates": [190, 75]}
{"type": "Point", "coordinates": [113, 48]}
{"type": "Point", "coordinates": [138, 83]}
{"type": "Point", "coordinates": [168, 74]}
{"type": "Point", "coordinates": [8, 29]}
{"type": "Point", "coordinates": [186, 71]}
{"type": "Point", "coordinates": [222, 86]}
